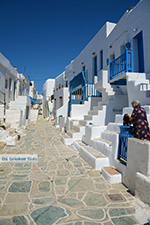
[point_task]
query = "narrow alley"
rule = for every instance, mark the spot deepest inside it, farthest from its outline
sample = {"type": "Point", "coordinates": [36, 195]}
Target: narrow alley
{"type": "Point", "coordinates": [60, 188]}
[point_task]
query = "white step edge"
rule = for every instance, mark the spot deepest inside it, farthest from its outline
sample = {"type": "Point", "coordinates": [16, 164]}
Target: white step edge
{"type": "Point", "coordinates": [95, 163]}
{"type": "Point", "coordinates": [66, 139]}
{"type": "Point", "coordinates": [111, 178]}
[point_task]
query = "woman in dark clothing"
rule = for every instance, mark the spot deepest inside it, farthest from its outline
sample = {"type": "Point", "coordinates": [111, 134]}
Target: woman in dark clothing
{"type": "Point", "coordinates": [139, 120]}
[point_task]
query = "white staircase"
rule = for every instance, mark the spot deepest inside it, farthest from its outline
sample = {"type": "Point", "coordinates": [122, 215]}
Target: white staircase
{"type": "Point", "coordinates": [77, 127]}
{"type": "Point", "coordinates": [16, 114]}
{"type": "Point", "coordinates": [8, 135]}
{"type": "Point", "coordinates": [16, 118]}
{"type": "Point", "coordinates": [96, 116]}
{"type": "Point", "coordinates": [101, 152]}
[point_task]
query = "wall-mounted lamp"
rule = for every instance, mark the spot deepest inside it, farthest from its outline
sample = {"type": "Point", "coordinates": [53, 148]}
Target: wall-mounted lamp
{"type": "Point", "coordinates": [82, 63]}
{"type": "Point", "coordinates": [110, 46]}
{"type": "Point", "coordinates": [93, 53]}
{"type": "Point", "coordinates": [135, 30]}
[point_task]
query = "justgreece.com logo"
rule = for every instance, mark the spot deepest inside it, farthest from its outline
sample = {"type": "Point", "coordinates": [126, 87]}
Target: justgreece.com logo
{"type": "Point", "coordinates": [18, 158]}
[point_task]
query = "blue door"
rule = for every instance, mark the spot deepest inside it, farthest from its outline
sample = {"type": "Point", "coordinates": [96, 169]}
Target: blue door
{"type": "Point", "coordinates": [140, 52]}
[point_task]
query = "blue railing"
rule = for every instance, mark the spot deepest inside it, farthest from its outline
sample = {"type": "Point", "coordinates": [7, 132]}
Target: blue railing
{"type": "Point", "coordinates": [78, 94]}
{"type": "Point", "coordinates": [81, 94]}
{"type": "Point", "coordinates": [124, 63]}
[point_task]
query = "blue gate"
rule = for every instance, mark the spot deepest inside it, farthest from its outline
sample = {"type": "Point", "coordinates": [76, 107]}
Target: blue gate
{"type": "Point", "coordinates": [123, 142]}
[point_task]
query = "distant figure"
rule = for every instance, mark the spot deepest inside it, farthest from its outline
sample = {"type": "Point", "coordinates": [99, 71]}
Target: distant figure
{"type": "Point", "coordinates": [139, 120]}
{"type": "Point", "coordinates": [126, 120]}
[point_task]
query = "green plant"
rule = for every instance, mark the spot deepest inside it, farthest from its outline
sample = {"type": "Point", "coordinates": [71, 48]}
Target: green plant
{"type": "Point", "coordinates": [19, 137]}
{"type": "Point", "coordinates": [3, 126]}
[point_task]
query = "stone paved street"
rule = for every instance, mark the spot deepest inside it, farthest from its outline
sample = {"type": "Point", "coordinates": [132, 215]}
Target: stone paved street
{"type": "Point", "coordinates": [61, 188]}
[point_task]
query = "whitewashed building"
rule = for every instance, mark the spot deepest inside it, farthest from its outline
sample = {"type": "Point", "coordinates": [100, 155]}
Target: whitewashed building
{"type": "Point", "coordinates": [110, 72]}
{"type": "Point", "coordinates": [32, 90]}
{"type": "Point", "coordinates": [61, 99]}
{"type": "Point", "coordinates": [14, 91]}
{"type": "Point", "coordinates": [48, 97]}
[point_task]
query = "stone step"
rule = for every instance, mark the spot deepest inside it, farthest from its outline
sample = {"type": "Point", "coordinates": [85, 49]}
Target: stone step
{"type": "Point", "coordinates": [12, 131]}
{"type": "Point", "coordinates": [104, 141]}
{"type": "Point", "coordinates": [75, 135]}
{"type": "Point", "coordinates": [93, 157]}
{"type": "Point", "coordinates": [79, 128]}
{"type": "Point", "coordinates": [93, 112]}
{"type": "Point", "coordinates": [111, 175]}
{"type": "Point", "coordinates": [88, 117]}
{"type": "Point", "coordinates": [84, 122]}
{"type": "Point", "coordinates": [103, 146]}
{"type": "Point", "coordinates": [97, 108]}
{"type": "Point", "coordinates": [67, 140]}
{"type": "Point", "coordinates": [74, 122]}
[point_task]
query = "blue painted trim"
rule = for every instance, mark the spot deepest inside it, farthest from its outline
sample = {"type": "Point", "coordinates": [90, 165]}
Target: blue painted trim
{"type": "Point", "coordinates": [33, 100]}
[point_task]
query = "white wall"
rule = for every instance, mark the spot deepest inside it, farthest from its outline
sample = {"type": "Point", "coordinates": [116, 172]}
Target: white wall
{"type": "Point", "coordinates": [48, 90]}
{"type": "Point", "coordinates": [32, 90]}
{"type": "Point", "coordinates": [135, 19]}
{"type": "Point", "coordinates": [93, 49]}
{"type": "Point", "coordinates": [138, 158]}
{"type": "Point", "coordinates": [61, 96]}
{"type": "Point", "coordinates": [7, 72]}
{"type": "Point", "coordinates": [139, 19]}
{"type": "Point", "coordinates": [60, 81]}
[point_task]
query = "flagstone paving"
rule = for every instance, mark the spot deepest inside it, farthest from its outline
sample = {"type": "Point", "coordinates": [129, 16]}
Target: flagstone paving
{"type": "Point", "coordinates": [61, 188]}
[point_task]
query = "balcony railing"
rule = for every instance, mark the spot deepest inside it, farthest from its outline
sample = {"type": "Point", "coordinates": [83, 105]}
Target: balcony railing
{"type": "Point", "coordinates": [81, 94]}
{"type": "Point", "coordinates": [124, 63]}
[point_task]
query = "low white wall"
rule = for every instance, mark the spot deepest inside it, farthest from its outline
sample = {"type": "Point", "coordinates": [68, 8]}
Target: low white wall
{"type": "Point", "coordinates": [138, 160]}
{"type": "Point", "coordinates": [62, 122]}
{"type": "Point", "coordinates": [142, 188]}
{"type": "Point", "coordinates": [63, 111]}
{"type": "Point", "coordinates": [34, 115]}
{"type": "Point", "coordinates": [79, 110]}
{"type": "Point", "coordinates": [1, 111]}
{"type": "Point", "coordinates": [92, 131]}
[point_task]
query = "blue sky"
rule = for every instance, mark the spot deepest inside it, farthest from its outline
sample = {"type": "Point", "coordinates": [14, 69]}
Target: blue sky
{"type": "Point", "coordinates": [44, 36]}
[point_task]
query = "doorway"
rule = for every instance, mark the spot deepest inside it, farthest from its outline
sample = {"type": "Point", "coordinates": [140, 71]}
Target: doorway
{"type": "Point", "coordinates": [138, 53]}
